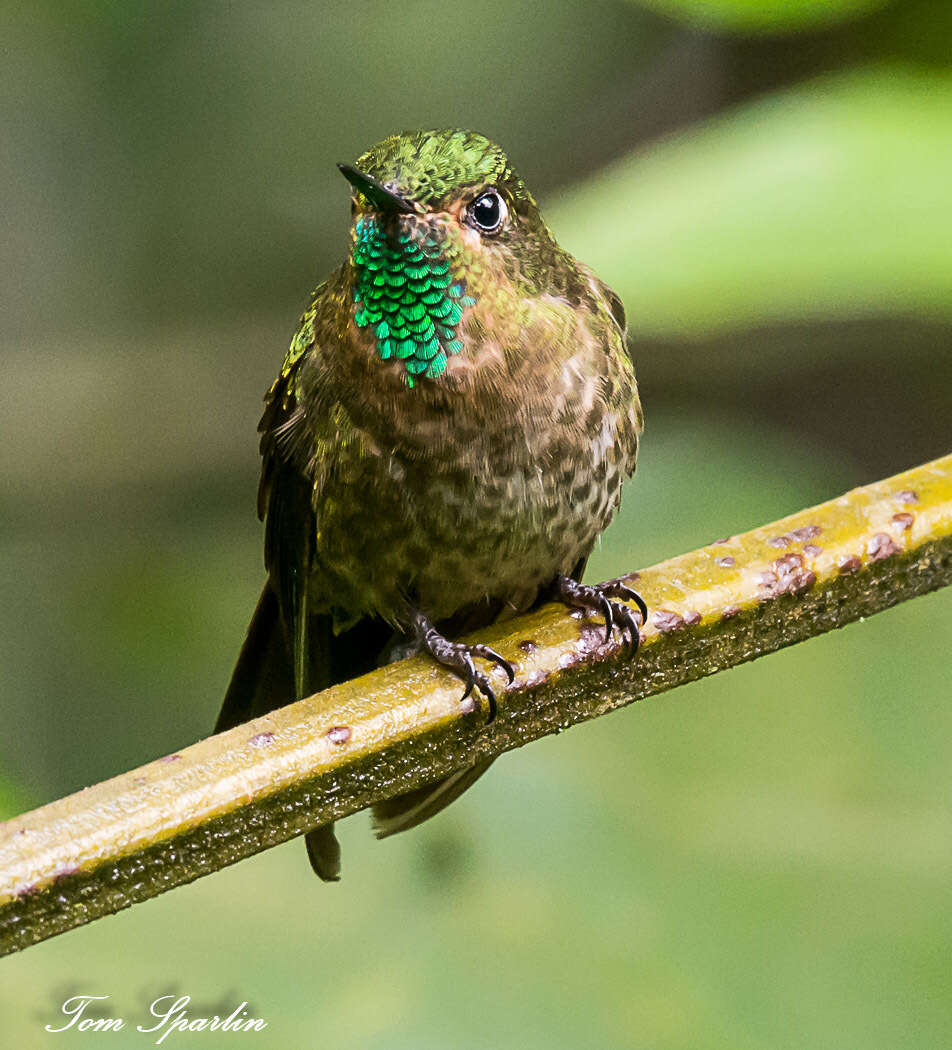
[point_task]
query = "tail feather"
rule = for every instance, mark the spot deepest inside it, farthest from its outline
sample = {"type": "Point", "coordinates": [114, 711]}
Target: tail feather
{"type": "Point", "coordinates": [263, 677]}
{"type": "Point", "coordinates": [323, 851]}
{"type": "Point", "coordinates": [406, 811]}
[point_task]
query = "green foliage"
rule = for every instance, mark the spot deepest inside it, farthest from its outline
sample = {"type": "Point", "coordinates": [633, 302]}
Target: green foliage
{"type": "Point", "coordinates": [773, 16]}
{"type": "Point", "coordinates": [824, 201]}
{"type": "Point", "coordinates": [11, 801]}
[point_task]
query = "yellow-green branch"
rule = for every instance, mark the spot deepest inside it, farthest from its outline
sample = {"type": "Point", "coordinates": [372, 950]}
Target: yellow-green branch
{"type": "Point", "coordinates": [232, 795]}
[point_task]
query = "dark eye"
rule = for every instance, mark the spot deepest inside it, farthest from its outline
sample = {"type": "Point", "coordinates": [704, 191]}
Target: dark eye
{"type": "Point", "coordinates": [488, 212]}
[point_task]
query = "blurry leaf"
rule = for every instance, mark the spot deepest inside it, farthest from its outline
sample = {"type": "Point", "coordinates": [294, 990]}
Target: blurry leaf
{"type": "Point", "coordinates": [11, 802]}
{"type": "Point", "coordinates": [763, 15]}
{"type": "Point", "coordinates": [827, 201]}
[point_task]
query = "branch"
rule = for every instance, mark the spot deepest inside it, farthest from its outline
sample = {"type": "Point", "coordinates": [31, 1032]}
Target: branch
{"type": "Point", "coordinates": [235, 794]}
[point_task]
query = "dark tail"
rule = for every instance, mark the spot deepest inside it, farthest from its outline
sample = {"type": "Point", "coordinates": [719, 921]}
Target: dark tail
{"type": "Point", "coordinates": [406, 811]}
{"type": "Point", "coordinates": [263, 679]}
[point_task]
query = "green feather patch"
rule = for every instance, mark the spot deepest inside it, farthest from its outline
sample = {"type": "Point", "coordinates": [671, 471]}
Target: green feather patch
{"type": "Point", "coordinates": [404, 291]}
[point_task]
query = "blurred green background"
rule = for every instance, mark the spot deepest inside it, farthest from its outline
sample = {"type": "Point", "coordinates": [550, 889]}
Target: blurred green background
{"type": "Point", "coordinates": [758, 860]}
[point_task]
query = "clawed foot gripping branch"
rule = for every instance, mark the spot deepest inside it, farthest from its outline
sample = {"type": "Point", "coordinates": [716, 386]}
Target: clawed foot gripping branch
{"type": "Point", "coordinates": [225, 798]}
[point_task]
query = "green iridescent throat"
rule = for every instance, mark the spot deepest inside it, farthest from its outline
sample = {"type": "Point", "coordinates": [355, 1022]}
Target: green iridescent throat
{"type": "Point", "coordinates": [404, 291]}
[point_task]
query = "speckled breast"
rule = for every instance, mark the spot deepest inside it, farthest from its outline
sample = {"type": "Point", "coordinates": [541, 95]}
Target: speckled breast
{"type": "Point", "coordinates": [492, 516]}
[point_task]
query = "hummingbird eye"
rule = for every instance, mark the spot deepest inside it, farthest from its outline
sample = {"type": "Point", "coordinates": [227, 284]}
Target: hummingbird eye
{"type": "Point", "coordinates": [488, 212]}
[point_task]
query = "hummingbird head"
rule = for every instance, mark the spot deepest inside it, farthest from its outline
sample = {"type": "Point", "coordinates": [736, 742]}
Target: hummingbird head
{"type": "Point", "coordinates": [440, 219]}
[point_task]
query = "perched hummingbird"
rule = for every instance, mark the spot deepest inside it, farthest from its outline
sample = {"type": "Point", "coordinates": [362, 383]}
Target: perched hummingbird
{"type": "Point", "coordinates": [446, 439]}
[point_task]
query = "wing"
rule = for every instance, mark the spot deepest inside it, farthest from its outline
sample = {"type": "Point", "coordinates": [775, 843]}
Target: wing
{"type": "Point", "coordinates": [301, 438]}
{"type": "Point", "coordinates": [269, 672]}
{"type": "Point", "coordinates": [609, 300]}
{"type": "Point", "coordinates": [286, 506]}
{"type": "Point", "coordinates": [607, 303]}
{"type": "Point", "coordinates": [286, 653]}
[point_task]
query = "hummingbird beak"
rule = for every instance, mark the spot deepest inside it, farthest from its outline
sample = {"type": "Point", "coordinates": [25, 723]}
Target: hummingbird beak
{"type": "Point", "coordinates": [375, 192]}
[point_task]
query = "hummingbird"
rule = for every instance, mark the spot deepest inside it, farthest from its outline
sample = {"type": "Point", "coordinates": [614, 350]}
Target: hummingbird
{"type": "Point", "coordinates": [446, 439]}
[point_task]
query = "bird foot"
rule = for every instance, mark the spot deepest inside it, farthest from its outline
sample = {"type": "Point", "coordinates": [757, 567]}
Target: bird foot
{"type": "Point", "coordinates": [598, 599]}
{"type": "Point", "coordinates": [458, 657]}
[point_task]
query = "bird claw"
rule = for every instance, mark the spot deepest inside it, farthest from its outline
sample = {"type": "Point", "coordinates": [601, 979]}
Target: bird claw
{"type": "Point", "coordinates": [458, 657]}
{"type": "Point", "coordinates": [490, 654]}
{"type": "Point", "coordinates": [467, 665]}
{"type": "Point", "coordinates": [624, 591]}
{"type": "Point", "coordinates": [598, 599]}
